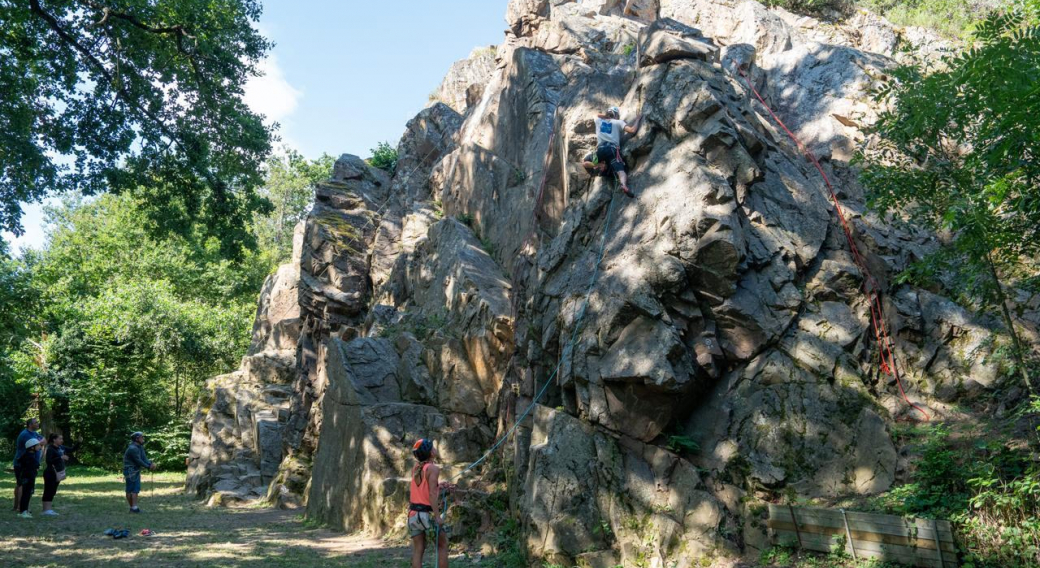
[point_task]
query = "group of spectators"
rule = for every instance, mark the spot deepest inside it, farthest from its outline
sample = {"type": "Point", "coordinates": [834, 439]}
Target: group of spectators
{"type": "Point", "coordinates": [32, 454]}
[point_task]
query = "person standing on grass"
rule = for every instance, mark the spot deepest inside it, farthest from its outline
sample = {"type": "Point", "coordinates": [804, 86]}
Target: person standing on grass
{"type": "Point", "coordinates": [54, 459]}
{"type": "Point", "coordinates": [29, 468]}
{"type": "Point", "coordinates": [30, 433]}
{"type": "Point", "coordinates": [424, 504]}
{"type": "Point", "coordinates": [134, 460]}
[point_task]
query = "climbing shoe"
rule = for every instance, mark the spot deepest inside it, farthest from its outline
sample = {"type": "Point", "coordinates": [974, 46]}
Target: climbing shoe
{"type": "Point", "coordinates": [628, 192]}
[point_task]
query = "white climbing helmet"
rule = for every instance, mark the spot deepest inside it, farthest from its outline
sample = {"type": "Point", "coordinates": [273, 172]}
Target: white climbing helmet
{"type": "Point", "coordinates": [614, 111]}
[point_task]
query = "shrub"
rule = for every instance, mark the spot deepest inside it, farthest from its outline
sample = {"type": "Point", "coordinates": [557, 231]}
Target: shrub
{"type": "Point", "coordinates": [682, 444]}
{"type": "Point", "coordinates": [384, 157]}
{"type": "Point", "coordinates": [811, 6]}
{"type": "Point", "coordinates": [168, 446]}
{"type": "Point", "coordinates": [989, 492]}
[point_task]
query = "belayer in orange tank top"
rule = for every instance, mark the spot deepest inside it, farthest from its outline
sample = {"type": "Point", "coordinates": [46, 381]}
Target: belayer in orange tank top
{"type": "Point", "coordinates": [424, 514]}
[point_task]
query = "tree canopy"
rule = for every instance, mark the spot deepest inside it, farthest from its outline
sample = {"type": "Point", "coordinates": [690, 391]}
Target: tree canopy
{"type": "Point", "coordinates": [114, 327]}
{"type": "Point", "coordinates": [117, 95]}
{"type": "Point", "coordinates": [960, 152]}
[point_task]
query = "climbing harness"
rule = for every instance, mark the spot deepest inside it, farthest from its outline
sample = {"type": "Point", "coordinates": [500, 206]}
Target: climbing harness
{"type": "Point", "coordinates": [870, 286]}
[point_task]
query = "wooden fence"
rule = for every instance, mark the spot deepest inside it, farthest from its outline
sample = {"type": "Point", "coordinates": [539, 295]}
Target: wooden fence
{"type": "Point", "coordinates": [916, 542]}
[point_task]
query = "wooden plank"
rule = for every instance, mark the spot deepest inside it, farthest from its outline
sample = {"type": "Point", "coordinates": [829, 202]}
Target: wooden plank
{"type": "Point", "coordinates": [866, 522]}
{"type": "Point", "coordinates": [887, 552]}
{"type": "Point", "coordinates": [831, 516]}
{"type": "Point", "coordinates": [858, 535]}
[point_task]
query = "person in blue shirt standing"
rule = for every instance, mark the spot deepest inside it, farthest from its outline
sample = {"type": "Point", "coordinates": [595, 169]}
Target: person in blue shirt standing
{"type": "Point", "coordinates": [30, 433]}
{"type": "Point", "coordinates": [134, 460]}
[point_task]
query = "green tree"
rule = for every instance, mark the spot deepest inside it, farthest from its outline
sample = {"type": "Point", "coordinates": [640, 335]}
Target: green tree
{"type": "Point", "coordinates": [115, 95]}
{"type": "Point", "coordinates": [132, 325]}
{"type": "Point", "coordinates": [289, 187]}
{"type": "Point", "coordinates": [18, 301]}
{"type": "Point", "coordinates": [959, 151]}
{"type": "Point", "coordinates": [384, 157]}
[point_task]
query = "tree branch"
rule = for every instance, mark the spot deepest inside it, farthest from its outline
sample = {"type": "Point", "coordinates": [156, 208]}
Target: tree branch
{"type": "Point", "coordinates": [119, 87]}
{"type": "Point", "coordinates": [55, 25]}
{"type": "Point", "coordinates": [179, 30]}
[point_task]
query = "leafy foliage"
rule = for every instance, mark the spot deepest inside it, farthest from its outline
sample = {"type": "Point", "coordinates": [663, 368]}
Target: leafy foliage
{"type": "Point", "coordinates": [168, 446]}
{"type": "Point", "coordinates": [989, 491]}
{"type": "Point", "coordinates": [682, 444]}
{"type": "Point", "coordinates": [289, 188]}
{"type": "Point", "coordinates": [131, 325]}
{"type": "Point", "coordinates": [953, 18]}
{"type": "Point", "coordinates": [811, 6]}
{"type": "Point", "coordinates": [18, 301]}
{"type": "Point", "coordinates": [958, 152]}
{"type": "Point", "coordinates": [117, 96]}
{"type": "Point", "coordinates": [384, 157]}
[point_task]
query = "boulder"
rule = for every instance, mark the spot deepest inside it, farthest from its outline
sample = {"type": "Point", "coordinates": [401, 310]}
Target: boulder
{"type": "Point", "coordinates": [666, 40]}
{"type": "Point", "coordinates": [359, 479]}
{"type": "Point", "coordinates": [581, 487]}
{"type": "Point", "coordinates": [464, 84]}
{"type": "Point", "coordinates": [710, 335]}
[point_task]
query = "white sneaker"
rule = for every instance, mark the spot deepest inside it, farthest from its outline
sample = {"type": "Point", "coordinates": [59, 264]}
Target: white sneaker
{"type": "Point", "coordinates": [51, 513]}
{"type": "Point", "coordinates": [25, 515]}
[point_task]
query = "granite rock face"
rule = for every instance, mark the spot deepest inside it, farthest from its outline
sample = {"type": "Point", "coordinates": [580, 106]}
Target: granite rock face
{"type": "Point", "coordinates": [709, 336]}
{"type": "Point", "coordinates": [464, 84]}
{"type": "Point", "coordinates": [236, 444]}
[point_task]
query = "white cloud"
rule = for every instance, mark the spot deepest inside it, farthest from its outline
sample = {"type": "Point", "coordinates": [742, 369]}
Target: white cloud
{"type": "Point", "coordinates": [271, 94]}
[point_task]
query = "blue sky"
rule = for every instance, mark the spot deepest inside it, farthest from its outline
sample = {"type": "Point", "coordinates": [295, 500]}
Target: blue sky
{"type": "Point", "coordinates": [346, 74]}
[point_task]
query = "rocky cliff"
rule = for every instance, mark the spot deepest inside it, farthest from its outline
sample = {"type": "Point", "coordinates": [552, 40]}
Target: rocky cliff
{"type": "Point", "coordinates": [723, 355]}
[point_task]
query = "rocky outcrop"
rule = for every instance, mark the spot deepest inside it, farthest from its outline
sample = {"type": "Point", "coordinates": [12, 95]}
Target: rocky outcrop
{"type": "Point", "coordinates": [700, 349]}
{"type": "Point", "coordinates": [236, 443]}
{"type": "Point", "coordinates": [463, 86]}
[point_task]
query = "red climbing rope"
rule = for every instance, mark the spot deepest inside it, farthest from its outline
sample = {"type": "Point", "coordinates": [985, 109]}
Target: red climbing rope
{"type": "Point", "coordinates": [870, 285]}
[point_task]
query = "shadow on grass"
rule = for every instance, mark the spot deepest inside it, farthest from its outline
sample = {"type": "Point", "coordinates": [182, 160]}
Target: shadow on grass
{"type": "Point", "coordinates": [187, 533]}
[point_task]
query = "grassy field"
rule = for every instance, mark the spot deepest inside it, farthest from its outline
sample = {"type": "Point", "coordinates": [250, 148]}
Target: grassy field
{"type": "Point", "coordinates": [187, 534]}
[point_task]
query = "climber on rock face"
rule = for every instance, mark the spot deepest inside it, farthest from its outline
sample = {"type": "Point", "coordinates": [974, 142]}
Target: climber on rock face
{"type": "Point", "coordinates": [609, 127]}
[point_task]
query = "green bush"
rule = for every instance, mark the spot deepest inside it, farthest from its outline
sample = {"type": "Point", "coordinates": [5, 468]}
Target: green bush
{"type": "Point", "coordinates": [811, 6]}
{"type": "Point", "coordinates": [989, 492]}
{"type": "Point", "coordinates": [949, 17]}
{"type": "Point", "coordinates": [384, 157]}
{"type": "Point", "coordinates": [168, 446]}
{"type": "Point", "coordinates": [682, 444]}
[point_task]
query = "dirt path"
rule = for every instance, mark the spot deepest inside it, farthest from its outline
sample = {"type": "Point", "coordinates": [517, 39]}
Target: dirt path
{"type": "Point", "coordinates": [187, 534]}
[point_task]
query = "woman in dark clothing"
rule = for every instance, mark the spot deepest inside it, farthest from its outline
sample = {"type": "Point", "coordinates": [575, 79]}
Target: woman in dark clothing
{"type": "Point", "coordinates": [29, 466]}
{"type": "Point", "coordinates": [54, 458]}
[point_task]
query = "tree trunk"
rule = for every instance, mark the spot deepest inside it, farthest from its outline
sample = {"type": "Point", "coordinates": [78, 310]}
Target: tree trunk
{"type": "Point", "coordinates": [177, 393]}
{"type": "Point", "coordinates": [1016, 343]}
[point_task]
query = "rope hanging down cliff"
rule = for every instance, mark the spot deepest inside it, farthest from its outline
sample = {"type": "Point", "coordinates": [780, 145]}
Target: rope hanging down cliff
{"type": "Point", "coordinates": [573, 340]}
{"type": "Point", "coordinates": [871, 287]}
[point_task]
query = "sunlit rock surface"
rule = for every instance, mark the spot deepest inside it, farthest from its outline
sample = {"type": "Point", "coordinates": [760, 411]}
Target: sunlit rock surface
{"type": "Point", "coordinates": [725, 354]}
